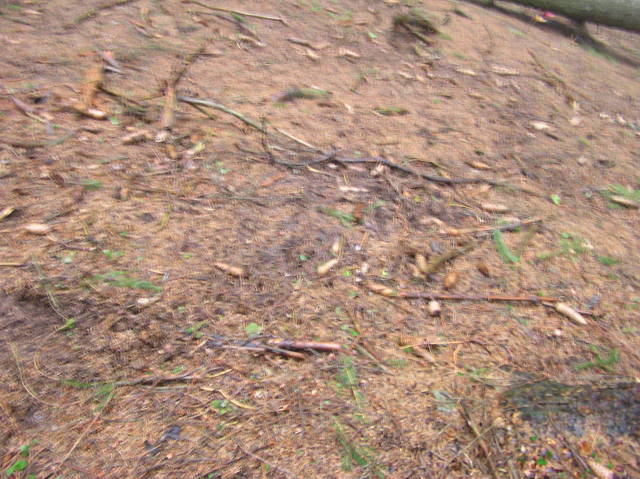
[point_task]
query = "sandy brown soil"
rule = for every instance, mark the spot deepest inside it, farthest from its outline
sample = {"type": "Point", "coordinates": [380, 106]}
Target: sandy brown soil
{"type": "Point", "coordinates": [124, 326]}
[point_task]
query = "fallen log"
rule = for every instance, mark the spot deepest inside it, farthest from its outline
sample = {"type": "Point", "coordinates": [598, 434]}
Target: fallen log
{"type": "Point", "coordinates": [624, 14]}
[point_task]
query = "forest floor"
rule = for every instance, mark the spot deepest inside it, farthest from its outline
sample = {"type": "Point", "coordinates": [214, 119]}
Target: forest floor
{"type": "Point", "coordinates": [157, 263]}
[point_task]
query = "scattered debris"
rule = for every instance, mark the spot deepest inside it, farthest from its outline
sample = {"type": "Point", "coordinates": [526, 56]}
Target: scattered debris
{"type": "Point", "coordinates": [417, 24]}
{"type": "Point", "coordinates": [324, 268]}
{"type": "Point", "coordinates": [305, 93]}
{"type": "Point", "coordinates": [236, 271]}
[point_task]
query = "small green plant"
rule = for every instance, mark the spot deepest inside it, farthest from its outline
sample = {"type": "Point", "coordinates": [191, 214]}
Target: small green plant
{"type": "Point", "coordinates": [222, 406]}
{"type": "Point", "coordinates": [195, 329]}
{"type": "Point", "coordinates": [346, 219]}
{"type": "Point", "coordinates": [555, 199]}
{"type": "Point", "coordinates": [543, 460]}
{"type": "Point", "coordinates": [253, 329]}
{"type": "Point", "coordinates": [68, 325]}
{"type": "Point", "coordinates": [21, 464]}
{"type": "Point", "coordinates": [349, 330]}
{"type": "Point", "coordinates": [605, 260]}
{"type": "Point", "coordinates": [503, 250]}
{"type": "Point", "coordinates": [121, 279]}
{"type": "Point", "coordinates": [347, 378]}
{"type": "Point", "coordinates": [445, 402]}
{"type": "Point", "coordinates": [572, 245]}
{"type": "Point", "coordinates": [111, 255]}
{"type": "Point", "coordinates": [90, 184]}
{"type": "Point", "coordinates": [619, 190]}
{"type": "Point", "coordinates": [602, 361]}
{"type": "Point", "coordinates": [354, 453]}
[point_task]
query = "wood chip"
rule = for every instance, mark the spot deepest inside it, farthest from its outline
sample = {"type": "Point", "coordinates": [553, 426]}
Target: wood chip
{"type": "Point", "coordinates": [381, 289]}
{"type": "Point", "coordinates": [484, 270]}
{"type": "Point", "coordinates": [467, 71]}
{"type": "Point", "coordinates": [312, 55]}
{"type": "Point", "coordinates": [450, 280]}
{"type": "Point", "coordinates": [540, 125]}
{"type": "Point", "coordinates": [571, 313]}
{"type": "Point", "coordinates": [37, 229]}
{"type": "Point", "coordinates": [232, 270]}
{"type": "Point", "coordinates": [346, 53]}
{"type": "Point", "coordinates": [478, 165]}
{"type": "Point", "coordinates": [494, 207]}
{"type": "Point", "coordinates": [6, 212]}
{"type": "Point", "coordinates": [421, 262]}
{"type": "Point", "coordinates": [136, 137]}
{"type": "Point", "coordinates": [626, 202]}
{"type": "Point", "coordinates": [504, 70]}
{"type": "Point", "coordinates": [324, 268]}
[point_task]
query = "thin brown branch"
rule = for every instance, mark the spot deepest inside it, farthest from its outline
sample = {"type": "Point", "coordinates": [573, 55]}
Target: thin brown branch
{"type": "Point", "coordinates": [238, 12]}
{"type": "Point", "coordinates": [264, 461]}
{"type": "Point", "coordinates": [222, 108]}
{"type": "Point", "coordinates": [94, 11]}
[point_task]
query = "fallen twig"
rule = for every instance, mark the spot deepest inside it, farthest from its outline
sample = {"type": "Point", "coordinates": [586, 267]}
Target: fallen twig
{"type": "Point", "coordinates": [94, 11]}
{"type": "Point", "coordinates": [222, 108]}
{"type": "Point", "coordinates": [485, 229]}
{"type": "Point", "coordinates": [264, 461]}
{"type": "Point", "coordinates": [434, 178]}
{"type": "Point", "coordinates": [154, 381]}
{"type": "Point", "coordinates": [170, 98]}
{"type": "Point", "coordinates": [386, 291]}
{"type": "Point", "coordinates": [238, 12]}
{"type": "Point", "coordinates": [283, 347]}
{"type": "Point", "coordinates": [314, 345]}
{"type": "Point", "coordinates": [180, 69]}
{"type": "Point", "coordinates": [38, 144]}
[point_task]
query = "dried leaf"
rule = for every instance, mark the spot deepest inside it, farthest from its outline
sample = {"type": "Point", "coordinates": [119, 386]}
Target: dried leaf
{"type": "Point", "coordinates": [601, 471]}
{"type": "Point", "coordinates": [484, 270]}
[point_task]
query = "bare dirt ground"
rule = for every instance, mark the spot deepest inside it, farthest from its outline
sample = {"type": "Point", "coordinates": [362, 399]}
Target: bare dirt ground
{"type": "Point", "coordinates": [143, 285]}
